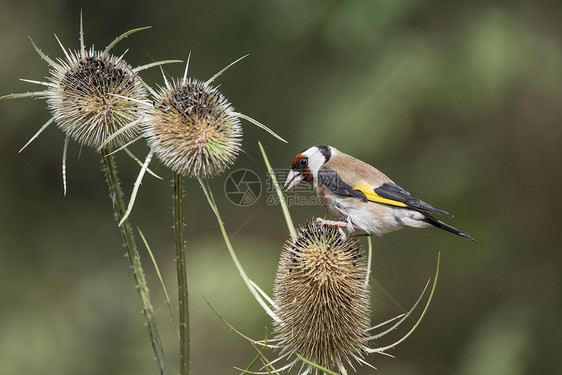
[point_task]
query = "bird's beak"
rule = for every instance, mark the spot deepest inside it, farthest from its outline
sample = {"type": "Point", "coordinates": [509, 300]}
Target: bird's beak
{"type": "Point", "coordinates": [293, 179]}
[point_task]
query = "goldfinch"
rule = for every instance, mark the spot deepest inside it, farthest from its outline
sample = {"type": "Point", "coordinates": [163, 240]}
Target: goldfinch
{"type": "Point", "coordinates": [360, 195]}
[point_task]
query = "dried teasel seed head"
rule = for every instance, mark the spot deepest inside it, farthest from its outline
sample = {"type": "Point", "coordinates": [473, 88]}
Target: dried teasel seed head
{"type": "Point", "coordinates": [193, 129]}
{"type": "Point", "coordinates": [93, 95]}
{"type": "Point", "coordinates": [322, 297]}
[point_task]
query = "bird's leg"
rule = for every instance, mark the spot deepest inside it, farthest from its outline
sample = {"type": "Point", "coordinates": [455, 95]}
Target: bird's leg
{"type": "Point", "coordinates": [339, 224]}
{"type": "Point", "coordinates": [364, 234]}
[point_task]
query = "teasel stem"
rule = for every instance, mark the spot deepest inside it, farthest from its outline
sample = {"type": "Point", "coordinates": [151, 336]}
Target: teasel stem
{"type": "Point", "coordinates": [126, 230]}
{"type": "Point", "coordinates": [181, 264]}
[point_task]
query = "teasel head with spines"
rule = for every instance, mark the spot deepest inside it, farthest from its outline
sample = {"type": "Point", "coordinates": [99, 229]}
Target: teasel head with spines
{"type": "Point", "coordinates": [193, 129]}
{"type": "Point", "coordinates": [94, 97]}
{"type": "Point", "coordinates": [322, 297]}
{"type": "Point", "coordinates": [94, 94]}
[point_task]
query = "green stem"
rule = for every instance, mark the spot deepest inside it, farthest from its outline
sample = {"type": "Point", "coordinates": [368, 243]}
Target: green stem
{"type": "Point", "coordinates": [134, 257]}
{"type": "Point", "coordinates": [181, 264]}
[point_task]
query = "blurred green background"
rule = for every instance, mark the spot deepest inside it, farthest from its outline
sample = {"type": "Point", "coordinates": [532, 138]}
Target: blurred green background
{"type": "Point", "coordinates": [459, 102]}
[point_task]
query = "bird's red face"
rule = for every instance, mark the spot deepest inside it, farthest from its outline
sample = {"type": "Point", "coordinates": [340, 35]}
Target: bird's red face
{"type": "Point", "coordinates": [300, 171]}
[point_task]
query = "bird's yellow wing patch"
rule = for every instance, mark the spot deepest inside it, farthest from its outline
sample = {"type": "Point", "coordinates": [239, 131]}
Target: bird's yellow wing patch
{"type": "Point", "coordinates": [368, 189]}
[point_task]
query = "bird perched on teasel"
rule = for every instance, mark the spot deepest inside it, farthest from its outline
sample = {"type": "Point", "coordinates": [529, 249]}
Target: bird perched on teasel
{"type": "Point", "coordinates": [360, 195]}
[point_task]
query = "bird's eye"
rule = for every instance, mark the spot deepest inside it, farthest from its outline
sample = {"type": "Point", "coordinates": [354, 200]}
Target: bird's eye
{"type": "Point", "coordinates": [303, 162]}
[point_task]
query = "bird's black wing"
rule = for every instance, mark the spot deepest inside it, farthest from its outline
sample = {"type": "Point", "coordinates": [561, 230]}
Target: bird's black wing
{"type": "Point", "coordinates": [336, 185]}
{"type": "Point", "coordinates": [396, 193]}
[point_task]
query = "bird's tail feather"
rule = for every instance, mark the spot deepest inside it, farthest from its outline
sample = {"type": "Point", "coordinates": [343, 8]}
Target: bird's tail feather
{"type": "Point", "coordinates": [441, 225]}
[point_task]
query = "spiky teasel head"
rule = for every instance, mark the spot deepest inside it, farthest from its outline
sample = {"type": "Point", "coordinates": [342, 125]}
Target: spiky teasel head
{"type": "Point", "coordinates": [193, 129]}
{"type": "Point", "coordinates": [93, 95]}
{"type": "Point", "coordinates": [96, 98]}
{"type": "Point", "coordinates": [322, 297]}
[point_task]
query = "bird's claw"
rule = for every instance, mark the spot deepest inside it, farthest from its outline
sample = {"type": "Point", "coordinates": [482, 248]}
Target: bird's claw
{"type": "Point", "coordinates": [338, 224]}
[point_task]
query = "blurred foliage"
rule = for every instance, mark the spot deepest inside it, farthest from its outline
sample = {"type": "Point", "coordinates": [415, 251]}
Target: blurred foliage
{"type": "Point", "coordinates": [459, 102]}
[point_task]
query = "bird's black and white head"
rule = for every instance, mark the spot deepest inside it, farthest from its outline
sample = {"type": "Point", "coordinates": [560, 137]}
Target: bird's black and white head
{"type": "Point", "coordinates": [306, 164]}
